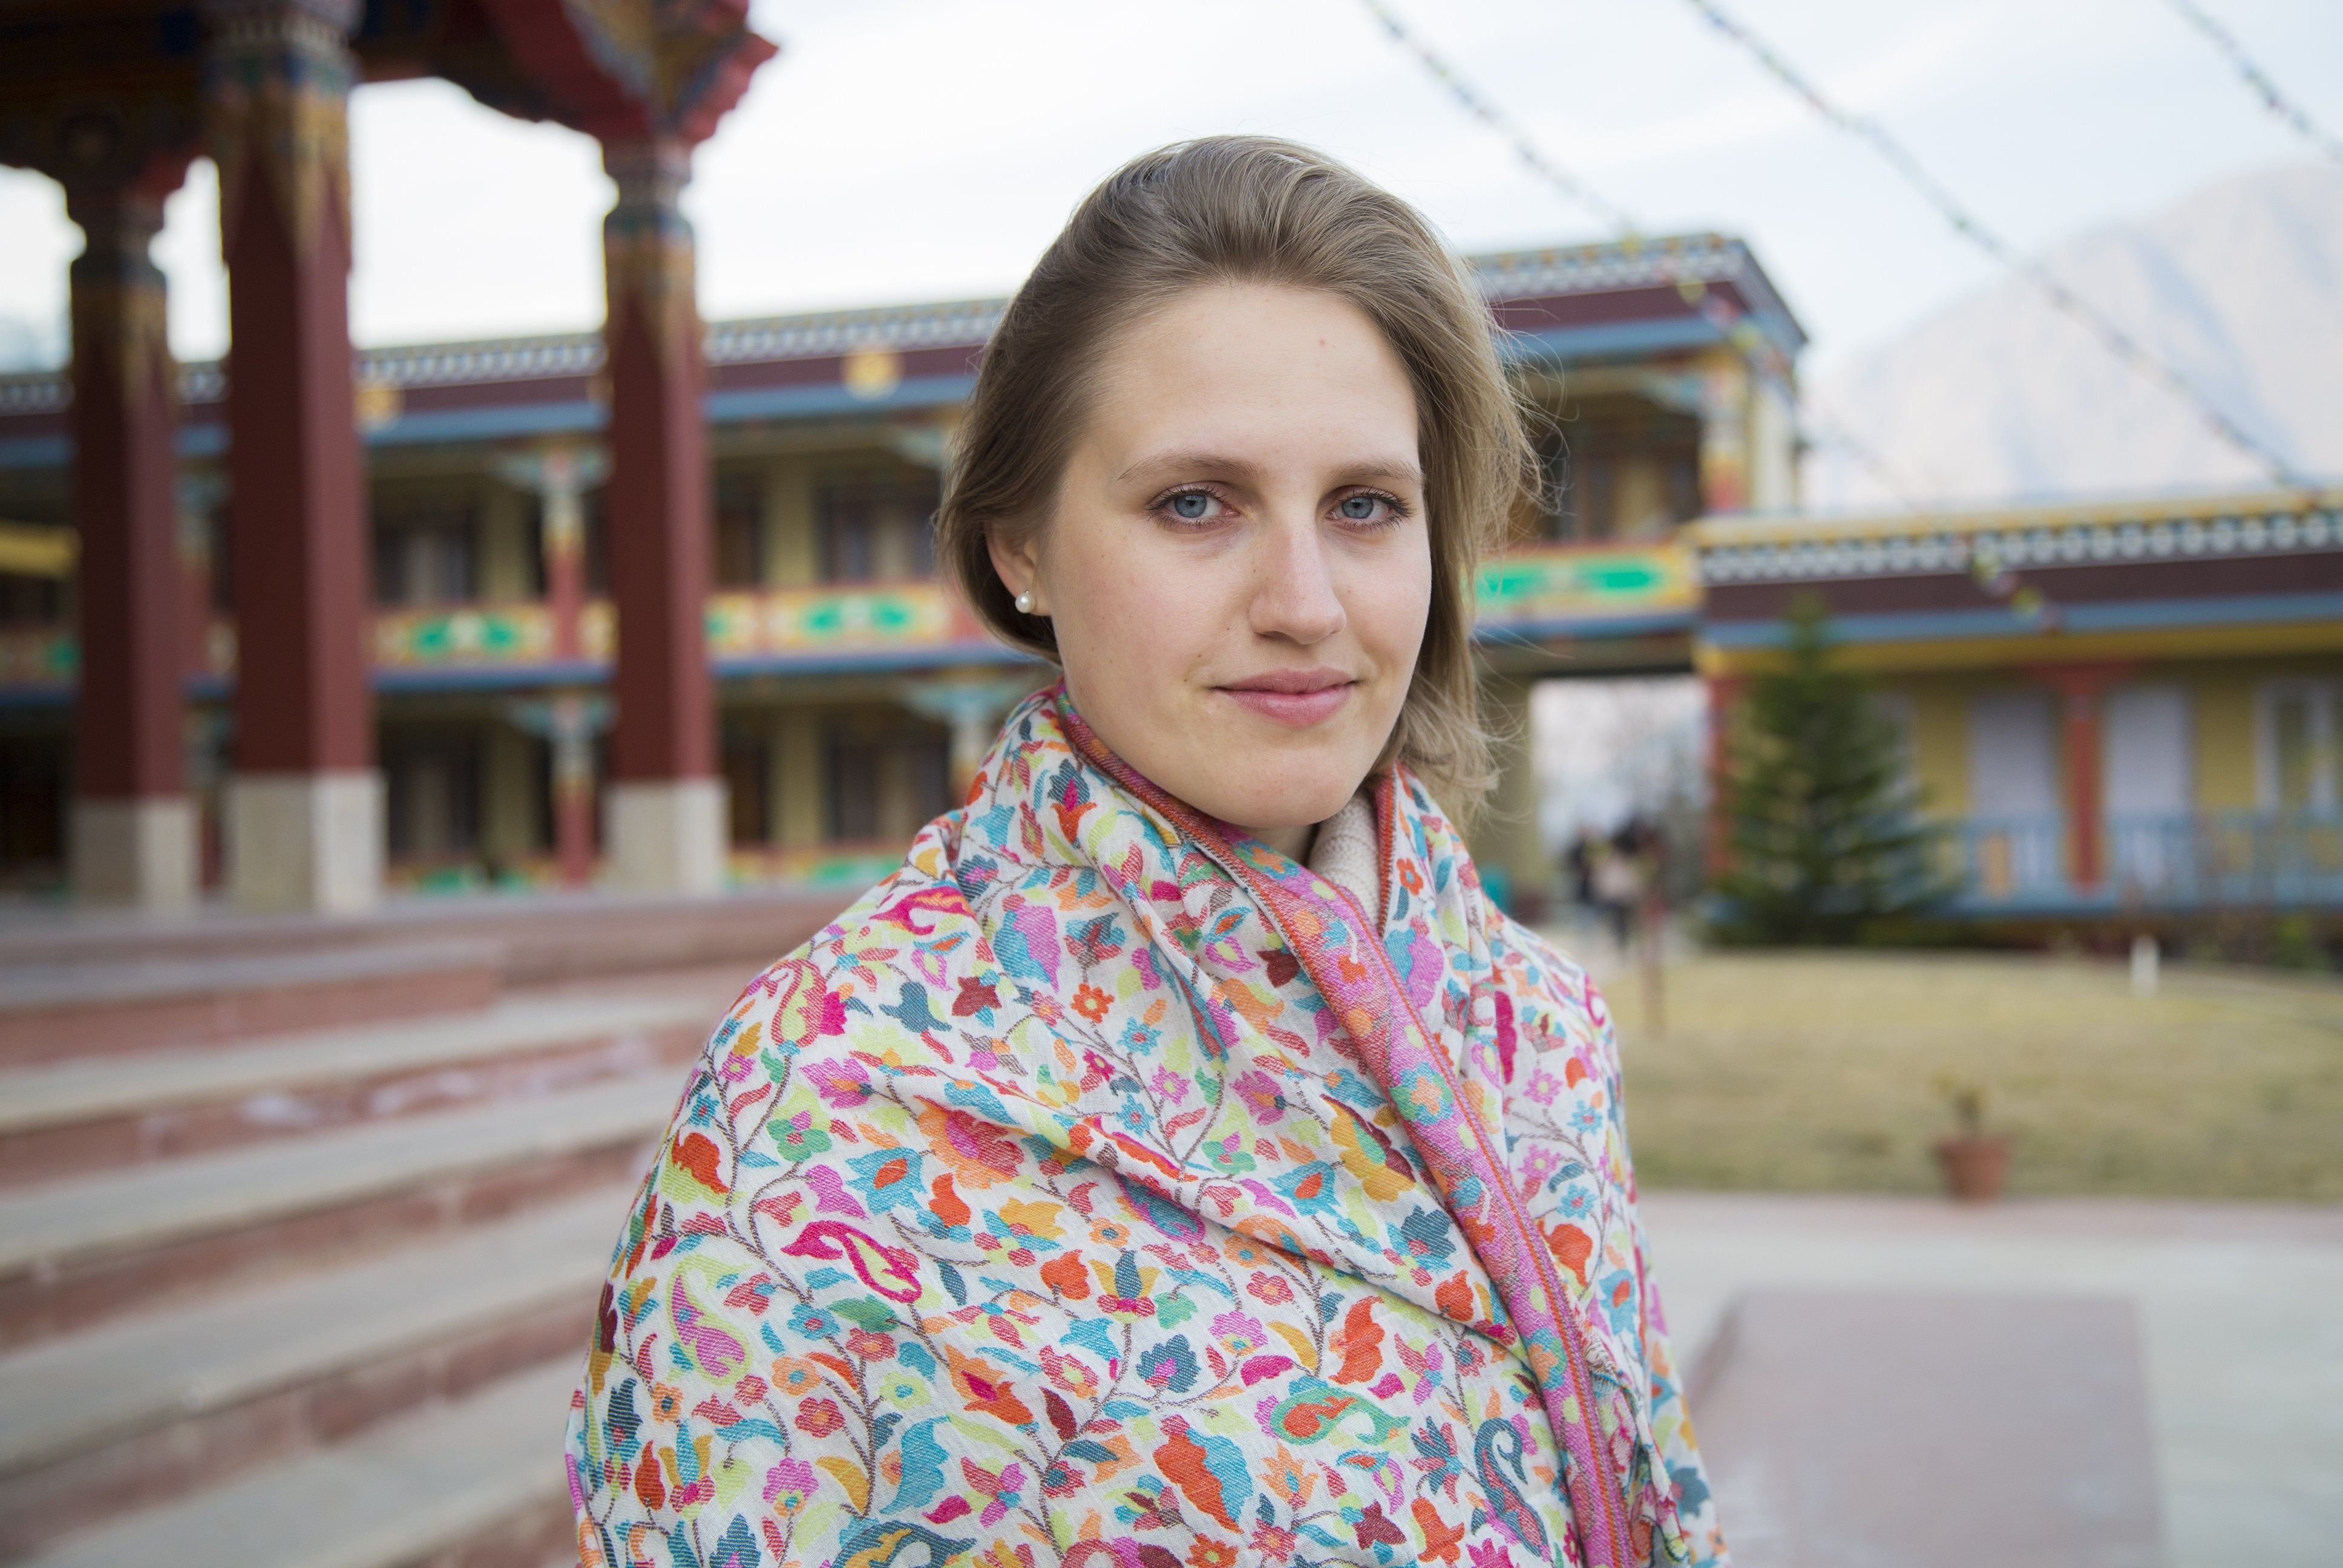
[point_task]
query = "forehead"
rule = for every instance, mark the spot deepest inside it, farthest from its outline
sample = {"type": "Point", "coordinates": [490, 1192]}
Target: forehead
{"type": "Point", "coordinates": [1271, 373]}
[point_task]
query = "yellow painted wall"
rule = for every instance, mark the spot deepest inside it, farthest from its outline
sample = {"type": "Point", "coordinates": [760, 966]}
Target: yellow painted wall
{"type": "Point", "coordinates": [2221, 710]}
{"type": "Point", "coordinates": [508, 803]}
{"type": "Point", "coordinates": [2222, 699]}
{"type": "Point", "coordinates": [506, 549]}
{"type": "Point", "coordinates": [800, 804]}
{"type": "Point", "coordinates": [792, 558]}
{"type": "Point", "coordinates": [1940, 739]}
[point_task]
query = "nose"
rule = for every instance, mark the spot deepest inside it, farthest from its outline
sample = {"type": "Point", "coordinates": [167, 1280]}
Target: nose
{"type": "Point", "coordinates": [1294, 598]}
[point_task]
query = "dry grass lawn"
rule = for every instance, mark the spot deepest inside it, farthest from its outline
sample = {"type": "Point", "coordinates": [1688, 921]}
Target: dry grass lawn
{"type": "Point", "coordinates": [1823, 1072]}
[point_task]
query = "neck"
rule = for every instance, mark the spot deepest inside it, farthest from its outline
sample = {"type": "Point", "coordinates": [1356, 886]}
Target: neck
{"type": "Point", "coordinates": [1293, 843]}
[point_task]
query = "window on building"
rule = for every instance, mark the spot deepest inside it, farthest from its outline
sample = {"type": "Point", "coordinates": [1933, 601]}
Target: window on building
{"type": "Point", "coordinates": [2301, 745]}
{"type": "Point", "coordinates": [1620, 470]}
{"type": "Point", "coordinates": [886, 784]}
{"type": "Point", "coordinates": [31, 601]}
{"type": "Point", "coordinates": [877, 527]}
{"type": "Point", "coordinates": [426, 555]}
{"type": "Point", "coordinates": [31, 807]}
{"type": "Point", "coordinates": [432, 790]}
{"type": "Point", "coordinates": [739, 535]}
{"type": "Point", "coordinates": [748, 792]}
{"type": "Point", "coordinates": [219, 541]}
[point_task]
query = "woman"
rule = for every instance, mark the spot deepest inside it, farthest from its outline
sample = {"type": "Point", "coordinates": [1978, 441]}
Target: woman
{"type": "Point", "coordinates": [1179, 1161]}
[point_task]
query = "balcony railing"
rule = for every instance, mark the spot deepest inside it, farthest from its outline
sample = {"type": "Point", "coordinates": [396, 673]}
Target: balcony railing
{"type": "Point", "coordinates": [2228, 860]}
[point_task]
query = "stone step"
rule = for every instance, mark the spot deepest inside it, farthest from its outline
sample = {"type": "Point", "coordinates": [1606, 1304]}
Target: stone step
{"type": "Point", "coordinates": [109, 1113]}
{"type": "Point", "coordinates": [477, 1483]}
{"type": "Point", "coordinates": [75, 1251]}
{"type": "Point", "coordinates": [151, 1406]}
{"type": "Point", "coordinates": [52, 1011]}
{"type": "Point", "coordinates": [542, 935]}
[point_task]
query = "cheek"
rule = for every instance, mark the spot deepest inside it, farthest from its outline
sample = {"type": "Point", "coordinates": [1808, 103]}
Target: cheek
{"type": "Point", "coordinates": [1389, 608]}
{"type": "Point", "coordinates": [1127, 623]}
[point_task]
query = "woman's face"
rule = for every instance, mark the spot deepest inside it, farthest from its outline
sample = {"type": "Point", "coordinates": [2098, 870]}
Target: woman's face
{"type": "Point", "coordinates": [1238, 568]}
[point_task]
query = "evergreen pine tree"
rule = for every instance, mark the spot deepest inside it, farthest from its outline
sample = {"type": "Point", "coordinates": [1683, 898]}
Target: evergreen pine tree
{"type": "Point", "coordinates": [1824, 835]}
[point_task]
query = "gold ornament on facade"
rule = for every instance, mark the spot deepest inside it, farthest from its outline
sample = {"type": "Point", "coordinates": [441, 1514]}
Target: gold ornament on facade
{"type": "Point", "coordinates": [871, 374]}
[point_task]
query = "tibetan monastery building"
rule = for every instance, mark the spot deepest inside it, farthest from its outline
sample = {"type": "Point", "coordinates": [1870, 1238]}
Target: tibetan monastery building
{"type": "Point", "coordinates": [2121, 713]}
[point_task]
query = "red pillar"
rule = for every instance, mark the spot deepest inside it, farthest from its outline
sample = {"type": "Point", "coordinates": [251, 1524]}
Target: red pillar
{"type": "Point", "coordinates": [305, 828]}
{"type": "Point", "coordinates": [666, 828]}
{"type": "Point", "coordinates": [133, 828]}
{"type": "Point", "coordinates": [2080, 688]}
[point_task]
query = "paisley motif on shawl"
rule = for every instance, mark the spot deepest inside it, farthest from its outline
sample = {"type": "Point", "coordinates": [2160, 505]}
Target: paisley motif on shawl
{"type": "Point", "coordinates": [1105, 1188]}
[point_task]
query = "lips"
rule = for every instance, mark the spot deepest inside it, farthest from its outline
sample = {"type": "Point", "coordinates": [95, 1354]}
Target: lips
{"type": "Point", "coordinates": [1299, 698]}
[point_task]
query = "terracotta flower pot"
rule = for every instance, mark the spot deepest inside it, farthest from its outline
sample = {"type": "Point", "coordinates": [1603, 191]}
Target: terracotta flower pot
{"type": "Point", "coordinates": [1975, 1165]}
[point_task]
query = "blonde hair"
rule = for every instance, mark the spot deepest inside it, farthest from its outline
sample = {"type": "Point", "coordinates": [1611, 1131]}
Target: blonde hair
{"type": "Point", "coordinates": [1252, 209]}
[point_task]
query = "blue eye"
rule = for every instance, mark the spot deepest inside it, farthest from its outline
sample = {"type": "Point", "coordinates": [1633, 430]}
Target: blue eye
{"type": "Point", "coordinates": [1359, 508]}
{"type": "Point", "coordinates": [1191, 507]}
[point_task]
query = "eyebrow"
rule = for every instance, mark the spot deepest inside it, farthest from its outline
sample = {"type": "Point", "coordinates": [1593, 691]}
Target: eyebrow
{"type": "Point", "coordinates": [1370, 472]}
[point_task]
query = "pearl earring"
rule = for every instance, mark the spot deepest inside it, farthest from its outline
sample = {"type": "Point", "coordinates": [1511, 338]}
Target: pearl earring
{"type": "Point", "coordinates": [1025, 603]}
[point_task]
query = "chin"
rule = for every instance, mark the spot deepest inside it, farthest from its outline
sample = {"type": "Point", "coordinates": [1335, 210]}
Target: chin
{"type": "Point", "coordinates": [1290, 803]}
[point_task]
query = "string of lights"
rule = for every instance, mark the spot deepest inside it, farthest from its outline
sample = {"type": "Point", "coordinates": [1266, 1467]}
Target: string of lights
{"type": "Point", "coordinates": [2114, 338]}
{"type": "Point", "coordinates": [2258, 80]}
{"type": "Point", "coordinates": [1732, 323]}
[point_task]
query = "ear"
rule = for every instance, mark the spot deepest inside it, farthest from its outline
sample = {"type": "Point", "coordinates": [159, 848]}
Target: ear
{"type": "Point", "coordinates": [1019, 566]}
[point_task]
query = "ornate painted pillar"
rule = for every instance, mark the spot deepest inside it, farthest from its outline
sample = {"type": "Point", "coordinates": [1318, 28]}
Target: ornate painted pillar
{"type": "Point", "coordinates": [1724, 432]}
{"type": "Point", "coordinates": [666, 823]}
{"type": "Point", "coordinates": [305, 807]}
{"type": "Point", "coordinates": [567, 721]}
{"type": "Point", "coordinates": [134, 838]}
{"type": "Point", "coordinates": [558, 474]}
{"type": "Point", "coordinates": [972, 709]}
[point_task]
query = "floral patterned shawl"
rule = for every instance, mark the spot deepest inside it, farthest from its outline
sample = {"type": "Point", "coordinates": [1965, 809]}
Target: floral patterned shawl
{"type": "Point", "coordinates": [1105, 1190]}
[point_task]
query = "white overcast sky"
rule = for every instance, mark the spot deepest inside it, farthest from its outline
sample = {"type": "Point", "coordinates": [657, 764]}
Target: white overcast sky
{"type": "Point", "coordinates": [921, 150]}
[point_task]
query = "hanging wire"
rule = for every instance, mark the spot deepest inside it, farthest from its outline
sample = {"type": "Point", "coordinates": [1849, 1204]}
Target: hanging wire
{"type": "Point", "coordinates": [1569, 185]}
{"type": "Point", "coordinates": [2111, 337]}
{"type": "Point", "coordinates": [2258, 80]}
{"type": "Point", "coordinates": [1732, 323]}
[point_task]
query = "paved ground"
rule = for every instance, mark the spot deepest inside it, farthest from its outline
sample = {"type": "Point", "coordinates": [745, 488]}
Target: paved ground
{"type": "Point", "coordinates": [2239, 1314]}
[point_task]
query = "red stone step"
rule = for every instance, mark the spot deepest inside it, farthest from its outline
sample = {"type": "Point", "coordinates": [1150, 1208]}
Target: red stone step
{"type": "Point", "coordinates": [86, 1249]}
{"type": "Point", "coordinates": [475, 1483]}
{"type": "Point", "coordinates": [62, 1119]}
{"type": "Point", "coordinates": [554, 936]}
{"type": "Point", "coordinates": [52, 1011]}
{"type": "Point", "coordinates": [162, 1404]}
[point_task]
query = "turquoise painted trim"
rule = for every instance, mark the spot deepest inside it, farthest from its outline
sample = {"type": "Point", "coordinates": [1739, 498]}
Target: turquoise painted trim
{"type": "Point", "coordinates": [813, 401]}
{"type": "Point", "coordinates": [1609, 340]}
{"type": "Point", "coordinates": [505, 421]}
{"type": "Point", "coordinates": [494, 677]}
{"type": "Point", "coordinates": [851, 661]}
{"type": "Point", "coordinates": [1581, 628]}
{"type": "Point", "coordinates": [502, 420]}
{"type": "Point", "coordinates": [1962, 625]}
{"type": "Point", "coordinates": [37, 452]}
